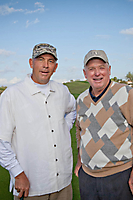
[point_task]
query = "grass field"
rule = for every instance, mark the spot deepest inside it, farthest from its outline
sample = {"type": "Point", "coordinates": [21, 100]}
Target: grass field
{"type": "Point", "coordinates": [75, 88]}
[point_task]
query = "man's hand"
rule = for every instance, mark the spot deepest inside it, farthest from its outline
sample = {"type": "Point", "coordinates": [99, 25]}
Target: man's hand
{"type": "Point", "coordinates": [22, 185]}
{"type": "Point", "coordinates": [131, 181]}
{"type": "Point", "coordinates": [78, 165]}
{"type": "Point", "coordinates": [77, 168]}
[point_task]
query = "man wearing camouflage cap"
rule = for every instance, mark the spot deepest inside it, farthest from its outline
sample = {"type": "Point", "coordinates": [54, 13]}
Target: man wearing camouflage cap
{"type": "Point", "coordinates": [36, 116]}
{"type": "Point", "coordinates": [104, 133]}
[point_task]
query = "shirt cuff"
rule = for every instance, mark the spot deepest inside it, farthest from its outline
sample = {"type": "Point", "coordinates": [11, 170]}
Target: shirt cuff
{"type": "Point", "coordinates": [16, 170]}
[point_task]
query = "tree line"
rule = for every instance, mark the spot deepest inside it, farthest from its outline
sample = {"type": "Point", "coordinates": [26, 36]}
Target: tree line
{"type": "Point", "coordinates": [128, 77]}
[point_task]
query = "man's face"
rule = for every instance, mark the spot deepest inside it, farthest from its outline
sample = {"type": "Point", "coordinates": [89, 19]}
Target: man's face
{"type": "Point", "coordinates": [98, 75]}
{"type": "Point", "coordinates": [43, 67]}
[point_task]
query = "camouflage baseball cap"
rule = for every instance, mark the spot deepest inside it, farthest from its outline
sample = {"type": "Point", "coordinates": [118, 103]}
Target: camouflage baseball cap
{"type": "Point", "coordinates": [43, 48]}
{"type": "Point", "coordinates": [96, 54]}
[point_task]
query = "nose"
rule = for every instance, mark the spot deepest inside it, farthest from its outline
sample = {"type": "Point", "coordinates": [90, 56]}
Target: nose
{"type": "Point", "coordinates": [45, 64]}
{"type": "Point", "coordinates": [97, 71]}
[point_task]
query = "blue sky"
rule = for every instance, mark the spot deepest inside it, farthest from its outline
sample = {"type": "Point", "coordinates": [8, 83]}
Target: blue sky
{"type": "Point", "coordinates": [73, 26]}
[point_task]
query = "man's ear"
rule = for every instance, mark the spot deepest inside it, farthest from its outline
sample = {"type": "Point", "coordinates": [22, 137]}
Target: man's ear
{"type": "Point", "coordinates": [55, 67]}
{"type": "Point", "coordinates": [31, 63]}
{"type": "Point", "coordinates": [109, 69]}
{"type": "Point", "coordinates": [84, 73]}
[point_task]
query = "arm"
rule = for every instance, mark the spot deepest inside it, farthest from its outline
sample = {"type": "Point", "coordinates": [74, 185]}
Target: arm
{"type": "Point", "coordinates": [8, 161]}
{"type": "Point", "coordinates": [131, 181]}
{"type": "Point", "coordinates": [71, 114]}
{"type": "Point", "coordinates": [128, 113]}
{"type": "Point", "coordinates": [8, 158]}
{"type": "Point", "coordinates": [78, 165]}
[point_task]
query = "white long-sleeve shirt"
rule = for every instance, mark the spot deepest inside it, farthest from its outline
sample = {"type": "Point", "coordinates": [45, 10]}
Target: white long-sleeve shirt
{"type": "Point", "coordinates": [41, 140]}
{"type": "Point", "coordinates": [8, 158]}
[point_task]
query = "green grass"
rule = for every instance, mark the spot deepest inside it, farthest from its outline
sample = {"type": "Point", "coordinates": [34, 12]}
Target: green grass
{"type": "Point", "coordinates": [4, 185]}
{"type": "Point", "coordinates": [75, 181]}
{"type": "Point", "coordinates": [75, 88]}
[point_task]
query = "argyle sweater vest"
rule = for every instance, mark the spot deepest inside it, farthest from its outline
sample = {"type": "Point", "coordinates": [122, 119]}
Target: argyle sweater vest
{"type": "Point", "coordinates": [104, 130]}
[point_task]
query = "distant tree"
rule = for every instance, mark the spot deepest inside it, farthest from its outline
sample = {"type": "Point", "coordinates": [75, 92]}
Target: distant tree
{"type": "Point", "coordinates": [114, 79]}
{"type": "Point", "coordinates": [129, 76]}
{"type": "Point", "coordinates": [123, 81]}
{"type": "Point", "coordinates": [2, 88]}
{"type": "Point", "coordinates": [119, 80]}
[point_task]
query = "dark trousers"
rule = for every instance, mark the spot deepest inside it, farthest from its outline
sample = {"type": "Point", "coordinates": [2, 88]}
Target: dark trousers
{"type": "Point", "coordinates": [114, 187]}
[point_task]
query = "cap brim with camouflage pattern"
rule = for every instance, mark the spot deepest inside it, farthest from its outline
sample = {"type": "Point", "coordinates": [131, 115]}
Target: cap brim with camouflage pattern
{"type": "Point", "coordinates": [44, 48]}
{"type": "Point", "coordinates": [95, 54]}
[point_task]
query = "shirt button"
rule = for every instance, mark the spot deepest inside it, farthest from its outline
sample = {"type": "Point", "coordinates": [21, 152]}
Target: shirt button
{"type": "Point", "coordinates": [52, 130]}
{"type": "Point", "coordinates": [57, 174]}
{"type": "Point", "coordinates": [49, 116]}
{"type": "Point", "coordinates": [54, 145]}
{"type": "Point", "coordinates": [56, 159]}
{"type": "Point", "coordinates": [46, 102]}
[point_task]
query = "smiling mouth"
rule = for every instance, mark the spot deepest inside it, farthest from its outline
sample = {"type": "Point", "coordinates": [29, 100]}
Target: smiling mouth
{"type": "Point", "coordinates": [98, 79]}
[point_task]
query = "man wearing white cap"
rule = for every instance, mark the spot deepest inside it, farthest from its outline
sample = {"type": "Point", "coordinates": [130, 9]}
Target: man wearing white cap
{"type": "Point", "coordinates": [104, 133]}
{"type": "Point", "coordinates": [36, 116]}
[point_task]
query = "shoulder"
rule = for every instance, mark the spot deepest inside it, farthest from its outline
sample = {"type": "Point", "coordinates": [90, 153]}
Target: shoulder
{"type": "Point", "coordinates": [12, 90]}
{"type": "Point", "coordinates": [83, 95]}
{"type": "Point", "coordinates": [58, 86]}
{"type": "Point", "coordinates": [124, 88]}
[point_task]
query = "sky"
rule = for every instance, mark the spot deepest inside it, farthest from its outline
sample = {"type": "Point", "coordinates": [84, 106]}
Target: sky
{"type": "Point", "coordinates": [74, 27]}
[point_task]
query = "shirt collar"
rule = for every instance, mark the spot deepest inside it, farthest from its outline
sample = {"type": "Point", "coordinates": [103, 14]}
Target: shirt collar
{"type": "Point", "coordinates": [95, 99]}
{"type": "Point", "coordinates": [33, 88]}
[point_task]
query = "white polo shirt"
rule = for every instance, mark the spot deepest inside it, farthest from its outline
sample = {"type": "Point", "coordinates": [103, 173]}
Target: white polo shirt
{"type": "Point", "coordinates": [38, 127]}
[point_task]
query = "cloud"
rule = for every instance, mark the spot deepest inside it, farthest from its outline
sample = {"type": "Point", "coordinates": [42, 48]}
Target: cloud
{"type": "Point", "coordinates": [14, 80]}
{"type": "Point", "coordinates": [28, 23]}
{"type": "Point", "coordinates": [40, 8]}
{"type": "Point", "coordinates": [60, 80]}
{"type": "Point", "coordinates": [5, 82]}
{"type": "Point", "coordinates": [15, 22]}
{"type": "Point", "coordinates": [6, 53]}
{"type": "Point", "coordinates": [6, 70]}
{"type": "Point", "coordinates": [6, 9]}
{"type": "Point", "coordinates": [127, 31]}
